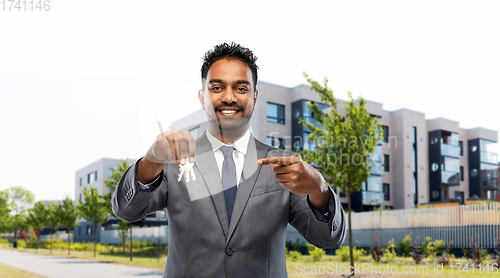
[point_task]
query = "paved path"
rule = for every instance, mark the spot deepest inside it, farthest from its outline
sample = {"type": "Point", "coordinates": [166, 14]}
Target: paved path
{"type": "Point", "coordinates": [62, 267]}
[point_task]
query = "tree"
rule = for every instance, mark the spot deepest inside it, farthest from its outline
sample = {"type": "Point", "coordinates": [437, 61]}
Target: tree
{"type": "Point", "coordinates": [344, 145]}
{"type": "Point", "coordinates": [113, 181]}
{"type": "Point", "coordinates": [53, 220]}
{"type": "Point", "coordinates": [67, 216]}
{"type": "Point", "coordinates": [36, 219]}
{"type": "Point", "coordinates": [93, 210]}
{"type": "Point", "coordinates": [123, 233]}
{"type": "Point", "coordinates": [4, 211]}
{"type": "Point", "coordinates": [20, 200]}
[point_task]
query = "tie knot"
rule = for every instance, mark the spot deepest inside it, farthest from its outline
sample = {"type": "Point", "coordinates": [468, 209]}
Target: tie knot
{"type": "Point", "coordinates": [227, 151]}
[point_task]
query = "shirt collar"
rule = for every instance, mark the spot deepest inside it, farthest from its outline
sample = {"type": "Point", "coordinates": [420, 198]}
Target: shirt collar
{"type": "Point", "coordinates": [240, 145]}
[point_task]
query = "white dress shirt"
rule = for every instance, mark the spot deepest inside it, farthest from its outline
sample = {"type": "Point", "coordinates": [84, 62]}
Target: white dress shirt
{"type": "Point", "coordinates": [239, 152]}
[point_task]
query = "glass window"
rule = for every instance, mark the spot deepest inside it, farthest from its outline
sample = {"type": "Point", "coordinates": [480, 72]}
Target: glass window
{"type": "Point", "coordinates": [281, 143]}
{"type": "Point", "coordinates": [387, 192]}
{"type": "Point", "coordinates": [341, 194]}
{"type": "Point", "coordinates": [385, 129]}
{"type": "Point", "coordinates": [80, 182]}
{"type": "Point", "coordinates": [461, 145]}
{"type": "Point", "coordinates": [461, 173]}
{"type": "Point", "coordinates": [110, 172]}
{"type": "Point", "coordinates": [275, 113]}
{"type": "Point", "coordinates": [386, 163]}
{"type": "Point", "coordinates": [270, 141]}
{"type": "Point", "coordinates": [95, 176]}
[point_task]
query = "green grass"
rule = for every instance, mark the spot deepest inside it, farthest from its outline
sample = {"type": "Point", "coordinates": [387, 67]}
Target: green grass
{"type": "Point", "coordinates": [305, 264]}
{"type": "Point", "coordinates": [10, 272]}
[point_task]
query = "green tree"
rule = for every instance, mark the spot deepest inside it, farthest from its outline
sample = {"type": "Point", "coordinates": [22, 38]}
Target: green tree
{"type": "Point", "coordinates": [113, 181]}
{"type": "Point", "coordinates": [93, 210]}
{"type": "Point", "coordinates": [4, 211]}
{"type": "Point", "coordinates": [344, 144]}
{"type": "Point", "coordinates": [36, 219]}
{"type": "Point", "coordinates": [67, 216]}
{"type": "Point", "coordinates": [123, 233]}
{"type": "Point", "coordinates": [20, 200]}
{"type": "Point", "coordinates": [53, 220]}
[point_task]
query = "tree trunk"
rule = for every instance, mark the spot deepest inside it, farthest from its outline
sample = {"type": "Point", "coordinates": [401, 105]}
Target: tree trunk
{"type": "Point", "coordinates": [50, 238]}
{"type": "Point", "coordinates": [123, 243]}
{"type": "Point", "coordinates": [130, 241]}
{"type": "Point", "coordinates": [350, 231]}
{"type": "Point", "coordinates": [15, 238]}
{"type": "Point", "coordinates": [37, 239]}
{"type": "Point", "coordinates": [95, 238]}
{"type": "Point", "coordinates": [69, 243]}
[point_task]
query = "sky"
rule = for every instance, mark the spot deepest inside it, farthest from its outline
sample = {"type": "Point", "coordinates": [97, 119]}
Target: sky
{"type": "Point", "coordinates": [89, 79]}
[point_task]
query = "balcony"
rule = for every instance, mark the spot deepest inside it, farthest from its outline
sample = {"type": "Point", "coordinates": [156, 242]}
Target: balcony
{"type": "Point", "coordinates": [450, 150]}
{"type": "Point", "coordinates": [488, 182]}
{"type": "Point", "coordinates": [488, 157]}
{"type": "Point", "coordinates": [373, 198]}
{"type": "Point", "coordinates": [450, 178]}
{"type": "Point", "coordinates": [376, 169]}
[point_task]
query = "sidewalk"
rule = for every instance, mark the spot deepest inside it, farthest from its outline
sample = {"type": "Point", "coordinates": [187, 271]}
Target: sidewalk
{"type": "Point", "coordinates": [61, 267]}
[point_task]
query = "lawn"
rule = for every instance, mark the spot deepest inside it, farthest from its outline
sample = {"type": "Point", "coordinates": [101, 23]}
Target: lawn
{"type": "Point", "coordinates": [10, 272]}
{"type": "Point", "coordinates": [304, 267]}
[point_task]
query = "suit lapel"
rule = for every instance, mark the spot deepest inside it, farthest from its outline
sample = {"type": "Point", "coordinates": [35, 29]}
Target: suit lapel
{"type": "Point", "coordinates": [206, 164]}
{"type": "Point", "coordinates": [251, 170]}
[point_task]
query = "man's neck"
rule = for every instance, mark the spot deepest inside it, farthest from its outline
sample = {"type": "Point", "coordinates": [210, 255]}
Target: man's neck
{"type": "Point", "coordinates": [227, 137]}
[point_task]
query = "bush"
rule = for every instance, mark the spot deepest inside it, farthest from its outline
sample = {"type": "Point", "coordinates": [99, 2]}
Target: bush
{"type": "Point", "coordinates": [427, 248]}
{"type": "Point", "coordinates": [343, 253]}
{"type": "Point", "coordinates": [4, 241]}
{"type": "Point", "coordinates": [389, 252]}
{"type": "Point", "coordinates": [439, 247]}
{"type": "Point", "coordinates": [294, 255]}
{"type": "Point", "coordinates": [315, 252]}
{"type": "Point", "coordinates": [404, 246]}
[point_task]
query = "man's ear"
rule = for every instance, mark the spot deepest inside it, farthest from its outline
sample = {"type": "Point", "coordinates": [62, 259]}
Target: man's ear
{"type": "Point", "coordinates": [255, 96]}
{"type": "Point", "coordinates": [201, 98]}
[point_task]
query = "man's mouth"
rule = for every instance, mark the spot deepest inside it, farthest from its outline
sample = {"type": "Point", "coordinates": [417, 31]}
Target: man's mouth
{"type": "Point", "coordinates": [227, 112]}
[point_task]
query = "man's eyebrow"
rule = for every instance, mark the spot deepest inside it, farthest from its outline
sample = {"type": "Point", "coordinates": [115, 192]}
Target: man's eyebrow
{"type": "Point", "coordinates": [242, 82]}
{"type": "Point", "coordinates": [215, 81]}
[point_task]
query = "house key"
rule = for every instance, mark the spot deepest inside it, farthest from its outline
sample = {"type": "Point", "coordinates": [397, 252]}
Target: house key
{"type": "Point", "coordinates": [186, 170]}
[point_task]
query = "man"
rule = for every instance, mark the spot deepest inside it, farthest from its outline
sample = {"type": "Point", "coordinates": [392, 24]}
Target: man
{"type": "Point", "coordinates": [231, 220]}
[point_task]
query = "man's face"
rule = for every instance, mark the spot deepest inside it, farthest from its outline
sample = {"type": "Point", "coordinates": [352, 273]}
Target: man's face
{"type": "Point", "coordinates": [229, 95]}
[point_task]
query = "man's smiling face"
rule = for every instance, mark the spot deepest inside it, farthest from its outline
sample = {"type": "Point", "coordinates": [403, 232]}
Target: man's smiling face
{"type": "Point", "coordinates": [229, 96]}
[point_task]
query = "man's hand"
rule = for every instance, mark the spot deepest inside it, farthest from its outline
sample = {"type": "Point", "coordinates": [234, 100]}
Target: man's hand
{"type": "Point", "coordinates": [174, 146]}
{"type": "Point", "coordinates": [300, 178]}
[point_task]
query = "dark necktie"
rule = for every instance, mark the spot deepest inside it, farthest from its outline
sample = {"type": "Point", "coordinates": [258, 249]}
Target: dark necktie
{"type": "Point", "coordinates": [229, 179]}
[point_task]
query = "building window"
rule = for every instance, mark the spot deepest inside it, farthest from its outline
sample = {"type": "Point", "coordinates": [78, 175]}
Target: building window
{"type": "Point", "coordinates": [79, 230]}
{"type": "Point", "coordinates": [461, 145]}
{"type": "Point", "coordinates": [89, 230]}
{"type": "Point", "coordinates": [80, 197]}
{"type": "Point", "coordinates": [385, 129]}
{"type": "Point", "coordinates": [80, 182]}
{"type": "Point", "coordinates": [95, 176]}
{"type": "Point", "coordinates": [386, 163]}
{"type": "Point", "coordinates": [276, 142]}
{"type": "Point", "coordinates": [341, 194]}
{"type": "Point", "coordinates": [387, 192]}
{"type": "Point", "coordinates": [461, 173]}
{"type": "Point", "coordinates": [275, 113]}
{"type": "Point", "coordinates": [110, 172]}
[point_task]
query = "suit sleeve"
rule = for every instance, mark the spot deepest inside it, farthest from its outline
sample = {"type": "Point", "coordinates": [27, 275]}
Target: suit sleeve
{"type": "Point", "coordinates": [323, 234]}
{"type": "Point", "coordinates": [131, 203]}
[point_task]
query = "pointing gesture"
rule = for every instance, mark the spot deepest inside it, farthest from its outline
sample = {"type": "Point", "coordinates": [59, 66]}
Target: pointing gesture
{"type": "Point", "coordinates": [300, 178]}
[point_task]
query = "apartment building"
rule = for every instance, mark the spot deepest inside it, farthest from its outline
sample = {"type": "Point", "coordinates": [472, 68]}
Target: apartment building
{"type": "Point", "coordinates": [419, 161]}
{"type": "Point", "coordinates": [94, 175]}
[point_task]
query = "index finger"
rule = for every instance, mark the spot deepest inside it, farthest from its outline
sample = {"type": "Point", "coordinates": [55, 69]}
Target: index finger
{"type": "Point", "coordinates": [279, 160]}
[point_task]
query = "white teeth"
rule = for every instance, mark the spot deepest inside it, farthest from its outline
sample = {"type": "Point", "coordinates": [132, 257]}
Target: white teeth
{"type": "Point", "coordinates": [228, 111]}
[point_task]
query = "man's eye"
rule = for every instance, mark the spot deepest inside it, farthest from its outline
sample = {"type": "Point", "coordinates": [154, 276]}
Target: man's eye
{"type": "Point", "coordinates": [242, 89]}
{"type": "Point", "coordinates": [216, 88]}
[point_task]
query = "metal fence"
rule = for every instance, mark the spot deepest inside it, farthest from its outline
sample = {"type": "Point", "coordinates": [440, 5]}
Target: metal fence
{"type": "Point", "coordinates": [453, 223]}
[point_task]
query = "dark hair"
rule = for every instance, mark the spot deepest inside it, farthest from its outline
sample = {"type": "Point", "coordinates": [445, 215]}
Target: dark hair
{"type": "Point", "coordinates": [233, 50]}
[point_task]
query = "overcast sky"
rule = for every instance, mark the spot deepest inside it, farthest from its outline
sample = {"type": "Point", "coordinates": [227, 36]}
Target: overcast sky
{"type": "Point", "coordinates": [88, 79]}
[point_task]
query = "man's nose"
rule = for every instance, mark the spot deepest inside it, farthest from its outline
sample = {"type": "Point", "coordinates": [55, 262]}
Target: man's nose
{"type": "Point", "coordinates": [228, 96]}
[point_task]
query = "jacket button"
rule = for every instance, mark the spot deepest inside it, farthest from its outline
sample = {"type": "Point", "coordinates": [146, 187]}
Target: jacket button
{"type": "Point", "coordinates": [229, 251]}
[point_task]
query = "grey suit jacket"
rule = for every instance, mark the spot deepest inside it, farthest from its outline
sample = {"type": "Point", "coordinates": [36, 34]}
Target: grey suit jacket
{"type": "Point", "coordinates": [202, 242]}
